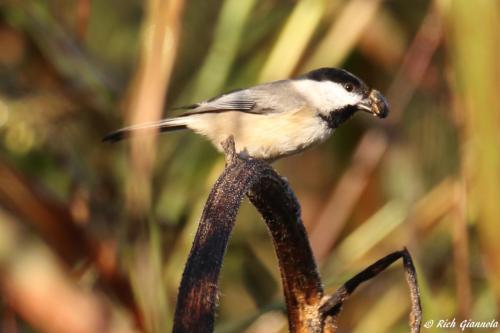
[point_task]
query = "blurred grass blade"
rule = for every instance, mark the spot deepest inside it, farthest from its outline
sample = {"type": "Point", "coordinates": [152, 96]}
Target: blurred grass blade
{"type": "Point", "coordinates": [67, 56]}
{"type": "Point", "coordinates": [366, 236]}
{"type": "Point", "coordinates": [345, 195]}
{"type": "Point", "coordinates": [343, 34]}
{"type": "Point", "coordinates": [377, 319]}
{"type": "Point", "coordinates": [35, 284]}
{"type": "Point", "coordinates": [49, 217]}
{"type": "Point", "coordinates": [461, 252]}
{"type": "Point", "coordinates": [384, 40]}
{"type": "Point", "coordinates": [475, 40]}
{"type": "Point", "coordinates": [416, 63]}
{"type": "Point", "coordinates": [158, 50]}
{"type": "Point", "coordinates": [227, 39]}
{"type": "Point", "coordinates": [160, 39]}
{"type": "Point", "coordinates": [293, 40]}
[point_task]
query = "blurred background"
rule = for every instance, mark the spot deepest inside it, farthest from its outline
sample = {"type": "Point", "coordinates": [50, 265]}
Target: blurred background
{"type": "Point", "coordinates": [94, 237]}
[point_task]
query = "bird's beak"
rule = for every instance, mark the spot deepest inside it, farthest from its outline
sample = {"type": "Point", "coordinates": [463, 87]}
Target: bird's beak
{"type": "Point", "coordinates": [375, 104]}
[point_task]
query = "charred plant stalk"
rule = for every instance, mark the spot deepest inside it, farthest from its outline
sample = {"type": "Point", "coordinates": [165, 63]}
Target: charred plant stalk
{"type": "Point", "coordinates": [198, 290]}
{"type": "Point", "coordinates": [333, 305]}
{"type": "Point", "coordinates": [271, 195]}
{"type": "Point", "coordinates": [306, 306]}
{"type": "Point", "coordinates": [303, 290]}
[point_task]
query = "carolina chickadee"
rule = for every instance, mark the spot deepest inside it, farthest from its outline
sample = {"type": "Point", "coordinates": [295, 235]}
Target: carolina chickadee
{"type": "Point", "coordinates": [275, 119]}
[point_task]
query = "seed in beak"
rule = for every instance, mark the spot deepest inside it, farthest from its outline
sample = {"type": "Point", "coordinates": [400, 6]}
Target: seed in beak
{"type": "Point", "coordinates": [380, 107]}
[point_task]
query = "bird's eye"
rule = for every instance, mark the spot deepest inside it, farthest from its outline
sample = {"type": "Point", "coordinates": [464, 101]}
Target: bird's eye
{"type": "Point", "coordinates": [349, 87]}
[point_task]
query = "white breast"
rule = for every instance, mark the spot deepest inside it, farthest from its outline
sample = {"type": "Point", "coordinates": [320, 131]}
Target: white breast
{"type": "Point", "coordinates": [263, 136]}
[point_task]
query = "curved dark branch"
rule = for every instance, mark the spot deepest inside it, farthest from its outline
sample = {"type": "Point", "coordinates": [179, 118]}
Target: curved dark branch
{"type": "Point", "coordinates": [301, 282]}
{"type": "Point", "coordinates": [307, 309]}
{"type": "Point", "coordinates": [198, 290]}
{"type": "Point", "coordinates": [333, 305]}
{"type": "Point", "coordinates": [281, 211]}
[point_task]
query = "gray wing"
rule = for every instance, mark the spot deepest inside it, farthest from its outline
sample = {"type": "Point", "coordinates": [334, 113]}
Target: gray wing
{"type": "Point", "coordinates": [266, 98]}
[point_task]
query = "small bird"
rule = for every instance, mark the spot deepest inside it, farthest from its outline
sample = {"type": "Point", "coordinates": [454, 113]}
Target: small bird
{"type": "Point", "coordinates": [276, 119]}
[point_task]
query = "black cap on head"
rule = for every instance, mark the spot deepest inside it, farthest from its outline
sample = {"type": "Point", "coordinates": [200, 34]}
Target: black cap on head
{"type": "Point", "coordinates": [336, 75]}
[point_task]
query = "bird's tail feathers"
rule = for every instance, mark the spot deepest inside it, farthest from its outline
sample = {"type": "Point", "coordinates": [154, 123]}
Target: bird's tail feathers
{"type": "Point", "coordinates": [165, 125]}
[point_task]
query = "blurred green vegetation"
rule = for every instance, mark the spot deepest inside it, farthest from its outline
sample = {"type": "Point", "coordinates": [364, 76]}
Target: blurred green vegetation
{"type": "Point", "coordinates": [84, 220]}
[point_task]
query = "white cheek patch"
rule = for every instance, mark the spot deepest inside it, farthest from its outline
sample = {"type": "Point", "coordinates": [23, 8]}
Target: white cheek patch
{"type": "Point", "coordinates": [326, 95]}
